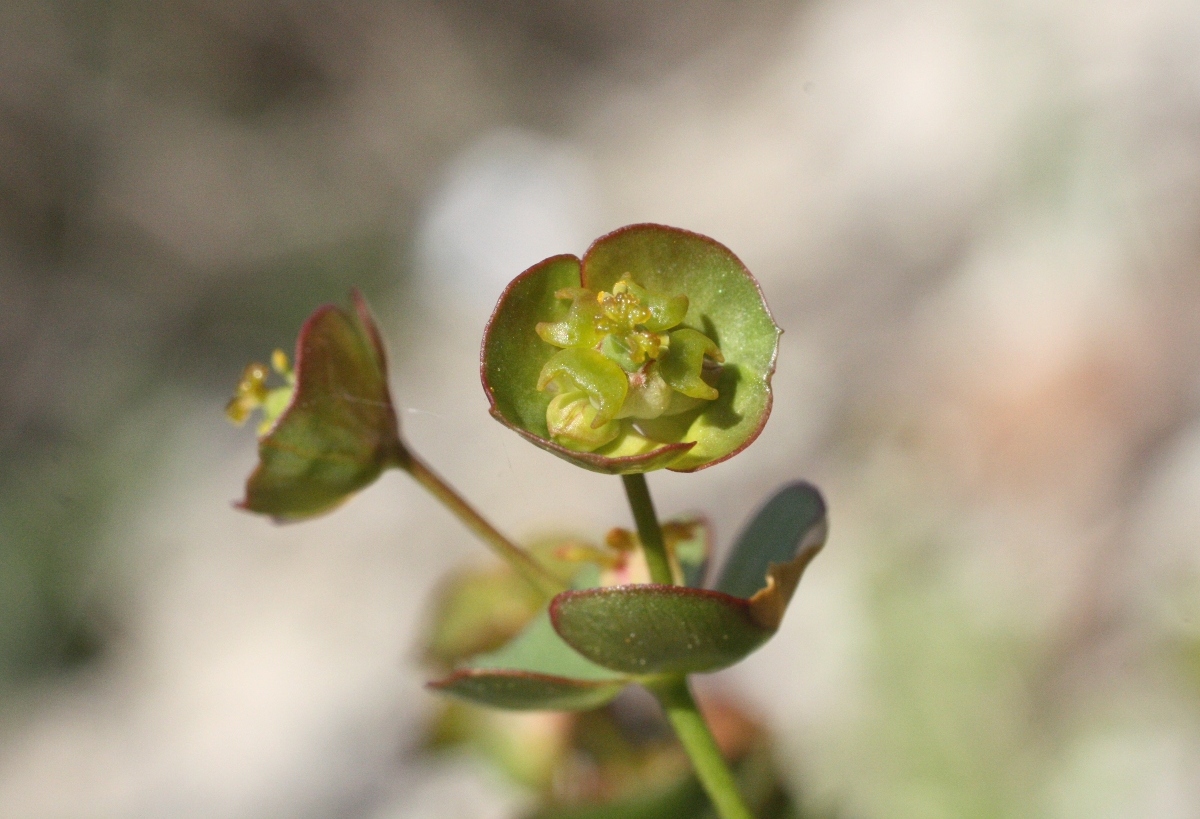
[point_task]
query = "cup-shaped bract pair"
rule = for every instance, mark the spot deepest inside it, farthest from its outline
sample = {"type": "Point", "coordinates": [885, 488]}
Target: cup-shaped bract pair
{"type": "Point", "coordinates": [654, 350]}
{"type": "Point", "coordinates": [593, 642]}
{"type": "Point", "coordinates": [331, 430]}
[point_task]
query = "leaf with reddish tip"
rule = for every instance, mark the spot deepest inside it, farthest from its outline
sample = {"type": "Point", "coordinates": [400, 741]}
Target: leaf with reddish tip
{"type": "Point", "coordinates": [654, 629]}
{"type": "Point", "coordinates": [339, 431]}
{"type": "Point", "coordinates": [773, 551]}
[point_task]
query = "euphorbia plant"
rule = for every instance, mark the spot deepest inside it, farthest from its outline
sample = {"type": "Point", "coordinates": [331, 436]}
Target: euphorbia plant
{"type": "Point", "coordinates": [655, 350]}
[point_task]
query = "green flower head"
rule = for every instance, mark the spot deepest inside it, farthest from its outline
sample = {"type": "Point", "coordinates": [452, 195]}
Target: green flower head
{"type": "Point", "coordinates": [655, 350]}
{"type": "Point", "coordinates": [329, 430]}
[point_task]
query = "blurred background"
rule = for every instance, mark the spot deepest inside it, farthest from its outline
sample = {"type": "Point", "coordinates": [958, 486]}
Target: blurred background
{"type": "Point", "coordinates": [977, 223]}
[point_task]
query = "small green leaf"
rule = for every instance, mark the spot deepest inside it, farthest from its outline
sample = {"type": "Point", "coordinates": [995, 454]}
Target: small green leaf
{"type": "Point", "coordinates": [774, 549]}
{"type": "Point", "coordinates": [537, 671]}
{"type": "Point", "coordinates": [793, 518]}
{"type": "Point", "coordinates": [653, 629]}
{"type": "Point", "coordinates": [339, 431]}
{"type": "Point", "coordinates": [526, 690]}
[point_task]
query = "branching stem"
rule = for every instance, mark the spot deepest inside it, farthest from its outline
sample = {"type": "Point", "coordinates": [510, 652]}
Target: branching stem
{"type": "Point", "coordinates": [520, 560]}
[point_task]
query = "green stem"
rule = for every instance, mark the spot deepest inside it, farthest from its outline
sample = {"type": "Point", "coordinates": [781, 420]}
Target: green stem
{"type": "Point", "coordinates": [673, 693]}
{"type": "Point", "coordinates": [697, 740]}
{"type": "Point", "coordinates": [649, 531]}
{"type": "Point", "coordinates": [520, 560]}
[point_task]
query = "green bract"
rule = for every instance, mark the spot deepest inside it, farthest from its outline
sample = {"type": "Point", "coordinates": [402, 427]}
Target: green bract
{"type": "Point", "coordinates": [655, 350]}
{"type": "Point", "coordinates": [333, 430]}
{"type": "Point", "coordinates": [595, 641]}
{"type": "Point", "coordinates": [654, 629]}
{"type": "Point", "coordinates": [536, 671]}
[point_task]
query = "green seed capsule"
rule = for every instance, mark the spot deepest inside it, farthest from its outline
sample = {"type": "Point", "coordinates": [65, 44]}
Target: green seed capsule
{"type": "Point", "coordinates": [571, 421]}
{"type": "Point", "coordinates": [591, 372]}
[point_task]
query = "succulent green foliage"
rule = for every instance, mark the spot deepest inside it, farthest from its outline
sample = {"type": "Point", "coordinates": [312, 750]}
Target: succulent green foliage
{"type": "Point", "coordinates": [776, 547]}
{"type": "Point", "coordinates": [676, 313]}
{"type": "Point", "coordinates": [516, 690]}
{"type": "Point", "coordinates": [339, 430]}
{"type": "Point", "coordinates": [653, 629]}
{"type": "Point", "coordinates": [535, 671]}
{"type": "Point", "coordinates": [789, 527]}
